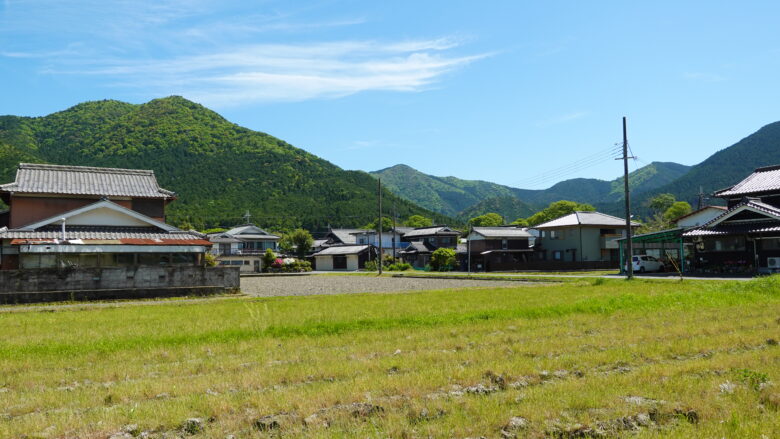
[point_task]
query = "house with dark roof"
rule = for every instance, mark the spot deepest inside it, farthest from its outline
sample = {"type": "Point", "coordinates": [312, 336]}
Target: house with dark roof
{"type": "Point", "coordinates": [581, 240]}
{"type": "Point", "coordinates": [423, 241]}
{"type": "Point", "coordinates": [503, 248]}
{"type": "Point", "coordinates": [243, 246]}
{"type": "Point", "coordinates": [746, 237]}
{"type": "Point", "coordinates": [74, 216]}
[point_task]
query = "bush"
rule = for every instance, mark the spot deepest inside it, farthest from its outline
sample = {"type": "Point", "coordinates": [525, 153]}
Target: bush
{"type": "Point", "coordinates": [295, 266]}
{"type": "Point", "coordinates": [370, 266]}
{"type": "Point", "coordinates": [210, 260]}
{"type": "Point", "coordinates": [399, 266]}
{"type": "Point", "coordinates": [443, 259]}
{"type": "Point", "coordinates": [268, 260]}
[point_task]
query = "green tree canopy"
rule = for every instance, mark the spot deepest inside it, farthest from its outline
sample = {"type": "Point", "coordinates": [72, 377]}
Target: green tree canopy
{"type": "Point", "coordinates": [443, 259]}
{"type": "Point", "coordinates": [487, 220]}
{"type": "Point", "coordinates": [299, 240]}
{"type": "Point", "coordinates": [661, 202]}
{"type": "Point", "coordinates": [677, 210]}
{"type": "Point", "coordinates": [558, 209]}
{"type": "Point", "coordinates": [522, 222]}
{"type": "Point", "coordinates": [387, 224]}
{"type": "Point", "coordinates": [418, 221]}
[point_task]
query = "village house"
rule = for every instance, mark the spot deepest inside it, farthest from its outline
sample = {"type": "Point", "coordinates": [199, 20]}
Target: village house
{"type": "Point", "coordinates": [746, 237]}
{"type": "Point", "coordinates": [74, 232]}
{"type": "Point", "coordinates": [392, 239]}
{"type": "Point", "coordinates": [91, 217]}
{"type": "Point", "coordinates": [423, 241]}
{"type": "Point", "coordinates": [581, 240]}
{"type": "Point", "coordinates": [503, 248]}
{"type": "Point", "coordinates": [243, 246]}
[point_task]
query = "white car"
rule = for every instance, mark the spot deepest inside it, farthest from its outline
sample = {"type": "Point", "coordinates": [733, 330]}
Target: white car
{"type": "Point", "coordinates": [644, 263]}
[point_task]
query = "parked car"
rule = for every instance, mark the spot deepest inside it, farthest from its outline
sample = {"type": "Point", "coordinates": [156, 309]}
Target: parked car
{"type": "Point", "coordinates": [644, 263]}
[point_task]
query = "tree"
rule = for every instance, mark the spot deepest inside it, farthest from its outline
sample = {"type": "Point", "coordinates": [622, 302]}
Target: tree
{"type": "Point", "coordinates": [443, 259]}
{"type": "Point", "coordinates": [269, 257]}
{"type": "Point", "coordinates": [522, 222]}
{"type": "Point", "coordinates": [558, 209]}
{"type": "Point", "coordinates": [387, 224]}
{"type": "Point", "coordinates": [677, 210]}
{"type": "Point", "coordinates": [487, 220]}
{"type": "Point", "coordinates": [299, 240]}
{"type": "Point", "coordinates": [418, 221]}
{"type": "Point", "coordinates": [661, 202]}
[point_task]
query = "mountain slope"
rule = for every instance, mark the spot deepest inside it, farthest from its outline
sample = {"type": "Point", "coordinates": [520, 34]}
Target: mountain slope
{"type": "Point", "coordinates": [453, 196]}
{"type": "Point", "coordinates": [446, 195]}
{"type": "Point", "coordinates": [511, 208]}
{"type": "Point", "coordinates": [728, 166]}
{"type": "Point", "coordinates": [218, 169]}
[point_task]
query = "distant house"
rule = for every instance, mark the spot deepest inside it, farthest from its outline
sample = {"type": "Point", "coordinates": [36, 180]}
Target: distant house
{"type": "Point", "coordinates": [423, 241]}
{"type": "Point", "coordinates": [498, 248]}
{"type": "Point", "coordinates": [342, 236]}
{"type": "Point", "coordinates": [582, 240]}
{"type": "Point", "coordinates": [699, 217]}
{"type": "Point", "coordinates": [390, 239]}
{"type": "Point", "coordinates": [746, 237]}
{"type": "Point", "coordinates": [87, 217]}
{"type": "Point", "coordinates": [243, 246]}
{"type": "Point", "coordinates": [350, 257]}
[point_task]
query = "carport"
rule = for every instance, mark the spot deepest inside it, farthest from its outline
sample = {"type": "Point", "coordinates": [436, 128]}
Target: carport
{"type": "Point", "coordinates": [661, 242]}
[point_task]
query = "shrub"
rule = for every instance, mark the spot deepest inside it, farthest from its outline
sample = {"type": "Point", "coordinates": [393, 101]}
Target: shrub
{"type": "Point", "coordinates": [268, 260]}
{"type": "Point", "coordinates": [210, 260]}
{"type": "Point", "coordinates": [443, 259]}
{"type": "Point", "coordinates": [370, 266]}
{"type": "Point", "coordinates": [399, 266]}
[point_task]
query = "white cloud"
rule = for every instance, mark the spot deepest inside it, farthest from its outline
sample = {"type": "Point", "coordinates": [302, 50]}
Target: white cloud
{"type": "Point", "coordinates": [285, 72]}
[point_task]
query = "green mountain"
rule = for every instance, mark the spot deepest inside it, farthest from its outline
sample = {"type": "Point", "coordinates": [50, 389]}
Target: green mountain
{"type": "Point", "coordinates": [729, 165]}
{"type": "Point", "coordinates": [446, 195]}
{"type": "Point", "coordinates": [511, 208]}
{"type": "Point", "coordinates": [468, 198]}
{"type": "Point", "coordinates": [218, 169]}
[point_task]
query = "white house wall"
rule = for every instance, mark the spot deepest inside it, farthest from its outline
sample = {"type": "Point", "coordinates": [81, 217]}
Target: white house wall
{"type": "Point", "coordinates": [324, 263]}
{"type": "Point", "coordinates": [104, 217]}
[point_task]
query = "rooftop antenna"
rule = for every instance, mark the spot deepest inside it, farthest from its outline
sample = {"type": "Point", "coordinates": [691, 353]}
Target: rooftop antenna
{"type": "Point", "coordinates": [247, 215]}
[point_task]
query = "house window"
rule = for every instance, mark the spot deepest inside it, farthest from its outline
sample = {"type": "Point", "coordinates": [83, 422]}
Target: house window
{"type": "Point", "coordinates": [246, 262]}
{"type": "Point", "coordinates": [504, 244]}
{"type": "Point", "coordinates": [725, 244]}
{"type": "Point", "coordinates": [557, 255]}
{"type": "Point", "coordinates": [432, 240]}
{"type": "Point", "coordinates": [556, 234]}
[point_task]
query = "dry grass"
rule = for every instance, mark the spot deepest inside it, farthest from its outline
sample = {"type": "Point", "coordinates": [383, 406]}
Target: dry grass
{"type": "Point", "coordinates": [566, 358]}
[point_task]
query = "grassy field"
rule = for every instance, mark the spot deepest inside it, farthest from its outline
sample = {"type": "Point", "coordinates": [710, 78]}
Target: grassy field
{"type": "Point", "coordinates": [588, 358]}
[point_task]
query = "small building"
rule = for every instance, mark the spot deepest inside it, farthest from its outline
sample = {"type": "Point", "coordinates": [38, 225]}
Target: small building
{"type": "Point", "coordinates": [582, 240]}
{"type": "Point", "coordinates": [243, 246]}
{"type": "Point", "coordinates": [423, 241]}
{"type": "Point", "coordinates": [393, 239]}
{"type": "Point", "coordinates": [745, 239]}
{"type": "Point", "coordinates": [502, 248]}
{"type": "Point", "coordinates": [343, 257]}
{"type": "Point", "coordinates": [699, 217]}
{"type": "Point", "coordinates": [342, 236]}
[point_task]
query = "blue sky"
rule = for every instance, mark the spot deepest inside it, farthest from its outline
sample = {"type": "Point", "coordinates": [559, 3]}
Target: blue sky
{"type": "Point", "coordinates": [506, 91]}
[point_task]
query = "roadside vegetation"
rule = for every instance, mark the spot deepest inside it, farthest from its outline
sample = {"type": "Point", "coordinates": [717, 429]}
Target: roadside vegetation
{"type": "Point", "coordinates": [585, 358]}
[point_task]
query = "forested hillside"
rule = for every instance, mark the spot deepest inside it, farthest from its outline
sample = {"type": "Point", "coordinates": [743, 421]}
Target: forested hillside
{"type": "Point", "coordinates": [218, 169]}
{"type": "Point", "coordinates": [511, 208]}
{"type": "Point", "coordinates": [468, 198]}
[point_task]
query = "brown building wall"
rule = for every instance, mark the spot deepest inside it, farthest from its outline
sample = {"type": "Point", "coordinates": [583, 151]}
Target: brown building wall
{"type": "Point", "coordinates": [27, 210]}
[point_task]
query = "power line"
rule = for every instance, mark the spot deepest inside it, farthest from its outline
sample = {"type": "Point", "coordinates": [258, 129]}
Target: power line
{"type": "Point", "coordinates": [576, 166]}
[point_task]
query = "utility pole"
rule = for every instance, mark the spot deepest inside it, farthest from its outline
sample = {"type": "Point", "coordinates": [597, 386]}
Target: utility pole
{"type": "Point", "coordinates": [701, 198]}
{"type": "Point", "coordinates": [629, 244]}
{"type": "Point", "coordinates": [379, 226]}
{"type": "Point", "coordinates": [394, 215]}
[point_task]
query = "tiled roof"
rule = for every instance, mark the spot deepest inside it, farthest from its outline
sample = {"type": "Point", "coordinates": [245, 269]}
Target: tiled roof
{"type": "Point", "coordinates": [585, 219]}
{"type": "Point", "coordinates": [249, 231]}
{"type": "Point", "coordinates": [342, 250]}
{"type": "Point", "coordinates": [747, 204]}
{"type": "Point", "coordinates": [426, 231]}
{"type": "Point", "coordinates": [773, 227]}
{"type": "Point", "coordinates": [705, 208]}
{"type": "Point", "coordinates": [89, 232]}
{"type": "Point", "coordinates": [347, 236]}
{"type": "Point", "coordinates": [82, 180]}
{"type": "Point", "coordinates": [418, 247]}
{"type": "Point", "coordinates": [502, 232]}
{"type": "Point", "coordinates": [761, 180]}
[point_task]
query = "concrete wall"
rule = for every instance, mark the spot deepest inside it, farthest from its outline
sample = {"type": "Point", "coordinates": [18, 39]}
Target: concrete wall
{"type": "Point", "coordinates": [352, 263]}
{"type": "Point", "coordinates": [324, 263]}
{"type": "Point", "coordinates": [128, 278]}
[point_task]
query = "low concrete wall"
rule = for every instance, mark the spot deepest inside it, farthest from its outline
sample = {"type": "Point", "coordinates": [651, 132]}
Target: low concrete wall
{"type": "Point", "coordinates": [145, 280]}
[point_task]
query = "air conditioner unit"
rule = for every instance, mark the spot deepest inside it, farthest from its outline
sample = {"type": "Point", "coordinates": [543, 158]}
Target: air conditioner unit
{"type": "Point", "coordinates": [773, 263]}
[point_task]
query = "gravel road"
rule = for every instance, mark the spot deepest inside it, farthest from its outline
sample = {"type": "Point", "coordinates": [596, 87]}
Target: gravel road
{"type": "Point", "coordinates": [317, 284]}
